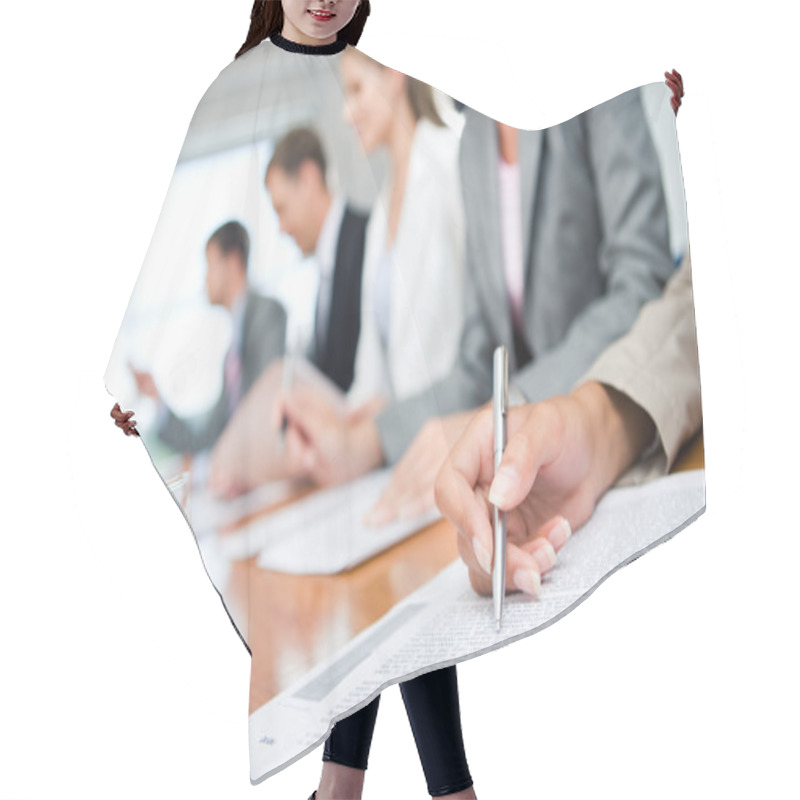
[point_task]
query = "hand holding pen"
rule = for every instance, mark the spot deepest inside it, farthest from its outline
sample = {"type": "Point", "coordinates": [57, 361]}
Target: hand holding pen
{"type": "Point", "coordinates": [543, 484]}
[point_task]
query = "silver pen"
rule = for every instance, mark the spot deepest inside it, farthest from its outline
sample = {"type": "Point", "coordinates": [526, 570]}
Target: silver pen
{"type": "Point", "coordinates": [500, 406]}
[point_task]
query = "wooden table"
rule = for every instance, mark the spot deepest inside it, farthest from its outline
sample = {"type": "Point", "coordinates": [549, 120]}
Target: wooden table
{"type": "Point", "coordinates": [312, 617]}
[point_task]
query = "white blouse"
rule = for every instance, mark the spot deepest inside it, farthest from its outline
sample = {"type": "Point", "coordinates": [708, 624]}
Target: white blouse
{"type": "Point", "coordinates": [382, 293]}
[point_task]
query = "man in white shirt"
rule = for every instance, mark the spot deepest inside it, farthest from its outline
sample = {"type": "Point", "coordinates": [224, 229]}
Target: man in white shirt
{"type": "Point", "coordinates": [323, 225]}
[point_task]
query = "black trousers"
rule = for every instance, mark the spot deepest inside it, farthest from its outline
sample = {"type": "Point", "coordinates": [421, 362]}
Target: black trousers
{"type": "Point", "coordinates": [432, 706]}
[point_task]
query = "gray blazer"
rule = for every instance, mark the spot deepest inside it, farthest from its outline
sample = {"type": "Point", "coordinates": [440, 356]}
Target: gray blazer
{"type": "Point", "coordinates": [596, 249]}
{"type": "Point", "coordinates": [263, 339]}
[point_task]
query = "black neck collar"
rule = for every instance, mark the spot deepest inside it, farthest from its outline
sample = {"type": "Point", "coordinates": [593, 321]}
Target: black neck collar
{"type": "Point", "coordinates": [310, 49]}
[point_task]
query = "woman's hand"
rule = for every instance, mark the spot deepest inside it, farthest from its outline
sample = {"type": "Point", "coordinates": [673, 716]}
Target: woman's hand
{"type": "Point", "coordinates": [371, 408]}
{"type": "Point", "coordinates": [321, 444]}
{"type": "Point", "coordinates": [410, 491]}
{"type": "Point", "coordinates": [124, 420]}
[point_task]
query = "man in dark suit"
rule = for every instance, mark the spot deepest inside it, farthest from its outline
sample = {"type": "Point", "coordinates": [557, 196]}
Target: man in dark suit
{"type": "Point", "coordinates": [324, 225]}
{"type": "Point", "coordinates": [259, 335]}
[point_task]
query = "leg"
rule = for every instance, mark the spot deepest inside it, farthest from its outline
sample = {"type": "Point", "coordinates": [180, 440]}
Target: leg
{"type": "Point", "coordinates": [346, 753]}
{"type": "Point", "coordinates": [433, 711]}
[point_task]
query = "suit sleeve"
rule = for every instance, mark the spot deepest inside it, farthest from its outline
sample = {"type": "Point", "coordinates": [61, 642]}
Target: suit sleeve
{"type": "Point", "coordinates": [634, 256]}
{"type": "Point", "coordinates": [191, 437]}
{"type": "Point", "coordinates": [656, 365]}
{"type": "Point", "coordinates": [267, 338]}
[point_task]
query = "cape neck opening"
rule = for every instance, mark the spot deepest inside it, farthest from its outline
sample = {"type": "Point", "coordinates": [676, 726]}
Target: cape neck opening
{"type": "Point", "coordinates": [309, 49]}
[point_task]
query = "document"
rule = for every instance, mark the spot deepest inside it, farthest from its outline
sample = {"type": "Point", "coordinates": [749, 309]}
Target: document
{"type": "Point", "coordinates": [323, 533]}
{"type": "Point", "coordinates": [208, 512]}
{"type": "Point", "coordinates": [446, 621]}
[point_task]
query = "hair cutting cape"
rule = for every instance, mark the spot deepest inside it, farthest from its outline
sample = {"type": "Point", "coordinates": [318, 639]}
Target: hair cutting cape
{"type": "Point", "coordinates": [288, 256]}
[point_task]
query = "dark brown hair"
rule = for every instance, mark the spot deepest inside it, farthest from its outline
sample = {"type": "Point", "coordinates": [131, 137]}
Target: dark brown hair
{"type": "Point", "coordinates": [232, 237]}
{"type": "Point", "coordinates": [266, 18]}
{"type": "Point", "coordinates": [295, 148]}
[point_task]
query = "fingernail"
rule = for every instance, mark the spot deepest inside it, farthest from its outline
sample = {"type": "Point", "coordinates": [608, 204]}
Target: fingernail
{"type": "Point", "coordinates": [560, 533]}
{"type": "Point", "coordinates": [528, 581]}
{"type": "Point", "coordinates": [545, 556]}
{"type": "Point", "coordinates": [504, 482]}
{"type": "Point", "coordinates": [482, 554]}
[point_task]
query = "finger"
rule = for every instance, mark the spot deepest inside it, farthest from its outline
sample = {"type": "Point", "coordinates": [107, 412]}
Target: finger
{"type": "Point", "coordinates": [543, 551]}
{"type": "Point", "coordinates": [305, 410]}
{"type": "Point", "coordinates": [276, 412]}
{"type": "Point", "coordinates": [456, 494]}
{"type": "Point", "coordinates": [556, 531]}
{"type": "Point", "coordinates": [535, 439]}
{"type": "Point", "coordinates": [479, 578]}
{"type": "Point", "coordinates": [299, 454]}
{"type": "Point", "coordinates": [523, 572]}
{"type": "Point", "coordinates": [387, 506]}
{"type": "Point", "coordinates": [673, 87]}
{"type": "Point", "coordinates": [471, 458]}
{"type": "Point", "coordinates": [468, 511]}
{"type": "Point", "coordinates": [481, 583]}
{"type": "Point", "coordinates": [296, 418]}
{"type": "Point", "coordinates": [383, 511]}
{"type": "Point", "coordinates": [677, 93]}
{"type": "Point", "coordinates": [419, 504]}
{"type": "Point", "coordinates": [414, 492]}
{"type": "Point", "coordinates": [455, 484]}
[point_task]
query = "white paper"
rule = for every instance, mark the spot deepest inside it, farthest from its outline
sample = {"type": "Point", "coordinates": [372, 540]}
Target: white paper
{"type": "Point", "coordinates": [208, 512]}
{"type": "Point", "coordinates": [445, 621]}
{"type": "Point", "coordinates": [323, 533]}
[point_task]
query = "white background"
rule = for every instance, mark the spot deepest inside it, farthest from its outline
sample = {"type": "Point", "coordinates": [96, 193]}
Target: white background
{"type": "Point", "coordinates": [120, 674]}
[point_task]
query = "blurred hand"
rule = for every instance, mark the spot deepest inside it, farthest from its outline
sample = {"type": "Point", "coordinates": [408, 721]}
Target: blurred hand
{"type": "Point", "coordinates": [124, 420]}
{"type": "Point", "coordinates": [225, 486]}
{"type": "Point", "coordinates": [144, 382]}
{"type": "Point", "coordinates": [561, 455]}
{"type": "Point", "coordinates": [410, 491]}
{"type": "Point", "coordinates": [321, 444]}
{"type": "Point", "coordinates": [369, 409]}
